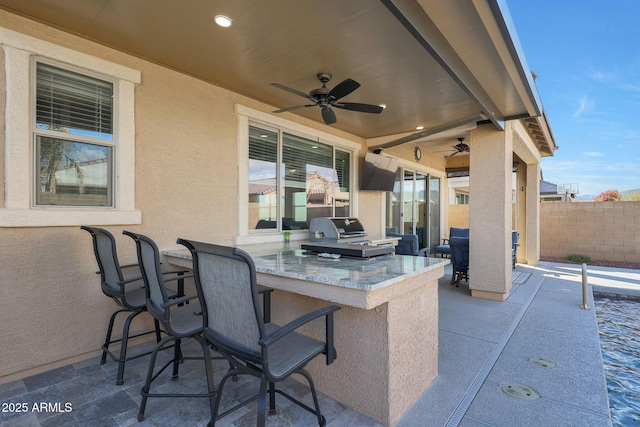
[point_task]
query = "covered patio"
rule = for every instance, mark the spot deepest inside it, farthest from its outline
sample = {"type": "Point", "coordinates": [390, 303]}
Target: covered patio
{"type": "Point", "coordinates": [475, 359]}
{"type": "Point", "coordinates": [185, 116]}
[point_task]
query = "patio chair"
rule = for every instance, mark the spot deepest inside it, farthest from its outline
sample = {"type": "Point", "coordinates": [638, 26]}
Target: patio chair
{"type": "Point", "coordinates": [445, 248]}
{"type": "Point", "coordinates": [179, 320]}
{"type": "Point", "coordinates": [408, 245]}
{"type": "Point", "coordinates": [459, 259]}
{"type": "Point", "coordinates": [227, 286]}
{"type": "Point", "coordinates": [128, 293]}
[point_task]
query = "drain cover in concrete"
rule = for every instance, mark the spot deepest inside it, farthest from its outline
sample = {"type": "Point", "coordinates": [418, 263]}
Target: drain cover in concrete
{"type": "Point", "coordinates": [545, 363]}
{"type": "Point", "coordinates": [519, 391]}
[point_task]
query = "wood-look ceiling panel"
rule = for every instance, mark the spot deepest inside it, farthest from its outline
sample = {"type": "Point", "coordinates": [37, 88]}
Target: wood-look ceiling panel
{"type": "Point", "coordinates": [289, 42]}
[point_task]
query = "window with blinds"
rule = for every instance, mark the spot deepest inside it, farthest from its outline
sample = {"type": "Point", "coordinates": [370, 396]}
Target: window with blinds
{"type": "Point", "coordinates": [74, 138]}
{"type": "Point", "coordinates": [70, 102]}
{"type": "Point", "coordinates": [311, 178]}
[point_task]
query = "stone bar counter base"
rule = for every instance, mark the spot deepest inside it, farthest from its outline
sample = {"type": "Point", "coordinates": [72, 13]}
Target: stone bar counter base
{"type": "Point", "coordinates": [386, 334]}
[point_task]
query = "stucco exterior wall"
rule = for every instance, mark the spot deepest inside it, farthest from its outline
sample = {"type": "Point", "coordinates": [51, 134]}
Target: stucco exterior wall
{"type": "Point", "coordinates": [601, 230]}
{"type": "Point", "coordinates": [458, 217]}
{"type": "Point", "coordinates": [52, 310]}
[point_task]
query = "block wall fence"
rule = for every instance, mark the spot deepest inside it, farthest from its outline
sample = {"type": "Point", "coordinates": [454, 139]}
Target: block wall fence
{"type": "Point", "coordinates": [608, 231]}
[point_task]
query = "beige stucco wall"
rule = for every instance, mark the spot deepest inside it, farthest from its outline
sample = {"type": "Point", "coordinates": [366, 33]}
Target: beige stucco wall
{"type": "Point", "coordinates": [490, 214]}
{"type": "Point", "coordinates": [601, 230]}
{"type": "Point", "coordinates": [458, 217]}
{"type": "Point", "coordinates": [51, 308]}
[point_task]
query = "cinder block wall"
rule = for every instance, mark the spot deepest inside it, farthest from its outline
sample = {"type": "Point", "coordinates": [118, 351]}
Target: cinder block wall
{"type": "Point", "coordinates": [607, 231]}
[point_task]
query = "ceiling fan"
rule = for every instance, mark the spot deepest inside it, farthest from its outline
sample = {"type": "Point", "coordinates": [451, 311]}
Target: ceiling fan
{"type": "Point", "coordinates": [460, 147]}
{"type": "Point", "coordinates": [326, 98]}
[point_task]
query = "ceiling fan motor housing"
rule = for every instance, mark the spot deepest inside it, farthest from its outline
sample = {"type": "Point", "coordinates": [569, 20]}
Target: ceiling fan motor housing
{"type": "Point", "coordinates": [326, 98]}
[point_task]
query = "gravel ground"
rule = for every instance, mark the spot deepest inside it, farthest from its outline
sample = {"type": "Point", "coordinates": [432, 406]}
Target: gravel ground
{"type": "Point", "coordinates": [615, 264]}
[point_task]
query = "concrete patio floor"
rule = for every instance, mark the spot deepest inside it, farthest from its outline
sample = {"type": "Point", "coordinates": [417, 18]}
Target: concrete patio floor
{"type": "Point", "coordinates": [483, 345]}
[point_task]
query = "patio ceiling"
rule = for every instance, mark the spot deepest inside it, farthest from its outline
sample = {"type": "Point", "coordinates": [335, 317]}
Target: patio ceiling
{"type": "Point", "coordinates": [435, 63]}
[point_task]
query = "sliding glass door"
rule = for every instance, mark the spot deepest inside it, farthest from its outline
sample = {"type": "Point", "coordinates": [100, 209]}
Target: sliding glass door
{"type": "Point", "coordinates": [434, 213]}
{"type": "Point", "coordinates": [413, 207]}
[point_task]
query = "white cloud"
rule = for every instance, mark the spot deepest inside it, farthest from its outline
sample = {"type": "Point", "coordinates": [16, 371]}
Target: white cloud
{"type": "Point", "coordinates": [599, 75]}
{"type": "Point", "coordinates": [593, 154]}
{"type": "Point", "coordinates": [630, 87]}
{"type": "Point", "coordinates": [584, 105]}
{"type": "Point", "coordinates": [592, 176]}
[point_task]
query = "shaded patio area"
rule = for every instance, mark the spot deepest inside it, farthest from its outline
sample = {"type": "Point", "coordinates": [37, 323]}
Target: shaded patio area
{"type": "Point", "coordinates": [483, 344]}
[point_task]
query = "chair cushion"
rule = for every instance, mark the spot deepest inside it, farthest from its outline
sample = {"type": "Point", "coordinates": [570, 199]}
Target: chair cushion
{"type": "Point", "coordinates": [408, 244]}
{"type": "Point", "coordinates": [460, 254]}
{"type": "Point", "coordinates": [291, 352]}
{"type": "Point", "coordinates": [443, 249]}
{"type": "Point", "coordinates": [458, 232]}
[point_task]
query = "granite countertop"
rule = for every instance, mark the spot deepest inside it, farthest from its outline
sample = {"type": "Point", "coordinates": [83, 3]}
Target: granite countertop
{"type": "Point", "coordinates": [367, 274]}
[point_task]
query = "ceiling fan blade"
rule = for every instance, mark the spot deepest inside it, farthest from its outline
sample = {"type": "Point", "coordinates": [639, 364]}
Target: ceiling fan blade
{"type": "Point", "coordinates": [363, 108]}
{"type": "Point", "coordinates": [292, 90]}
{"type": "Point", "coordinates": [328, 116]}
{"type": "Point", "coordinates": [451, 155]}
{"type": "Point", "coordinates": [343, 88]}
{"type": "Point", "coordinates": [282, 110]}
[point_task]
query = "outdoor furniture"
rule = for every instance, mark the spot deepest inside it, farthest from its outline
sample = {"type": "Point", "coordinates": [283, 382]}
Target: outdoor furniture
{"type": "Point", "coordinates": [445, 249]}
{"type": "Point", "coordinates": [459, 259]}
{"type": "Point", "coordinates": [514, 246]}
{"type": "Point", "coordinates": [180, 318]}
{"type": "Point", "coordinates": [128, 293]}
{"type": "Point", "coordinates": [226, 283]}
{"type": "Point", "coordinates": [408, 244]}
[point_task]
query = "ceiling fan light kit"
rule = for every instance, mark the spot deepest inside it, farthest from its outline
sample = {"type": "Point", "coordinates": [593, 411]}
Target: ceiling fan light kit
{"type": "Point", "coordinates": [326, 98]}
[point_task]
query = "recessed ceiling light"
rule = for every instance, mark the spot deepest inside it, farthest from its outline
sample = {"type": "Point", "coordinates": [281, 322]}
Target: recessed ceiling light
{"type": "Point", "coordinates": [383, 105]}
{"type": "Point", "coordinates": [419, 127]}
{"type": "Point", "coordinates": [223, 21]}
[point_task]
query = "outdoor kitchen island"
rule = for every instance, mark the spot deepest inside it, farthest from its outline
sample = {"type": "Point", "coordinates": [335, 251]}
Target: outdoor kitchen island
{"type": "Point", "coordinates": [386, 334]}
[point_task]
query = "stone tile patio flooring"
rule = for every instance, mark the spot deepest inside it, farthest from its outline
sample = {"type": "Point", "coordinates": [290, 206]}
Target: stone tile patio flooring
{"type": "Point", "coordinates": [482, 344]}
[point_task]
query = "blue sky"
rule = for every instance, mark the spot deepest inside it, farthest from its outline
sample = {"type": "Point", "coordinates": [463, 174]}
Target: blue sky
{"type": "Point", "coordinates": [587, 57]}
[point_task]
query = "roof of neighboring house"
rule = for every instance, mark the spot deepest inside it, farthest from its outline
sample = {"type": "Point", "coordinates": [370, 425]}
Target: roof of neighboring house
{"type": "Point", "coordinates": [548, 187]}
{"type": "Point", "coordinates": [261, 188]}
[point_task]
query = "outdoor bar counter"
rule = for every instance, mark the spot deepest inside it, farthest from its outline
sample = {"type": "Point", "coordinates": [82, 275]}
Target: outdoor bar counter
{"type": "Point", "coordinates": [386, 334]}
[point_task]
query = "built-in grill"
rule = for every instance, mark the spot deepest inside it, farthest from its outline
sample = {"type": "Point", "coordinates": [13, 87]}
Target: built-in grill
{"type": "Point", "coordinates": [325, 229]}
{"type": "Point", "coordinates": [342, 236]}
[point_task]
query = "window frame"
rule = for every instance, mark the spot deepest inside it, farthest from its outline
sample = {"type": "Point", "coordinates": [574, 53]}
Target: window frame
{"type": "Point", "coordinates": [248, 116]}
{"type": "Point", "coordinates": [111, 144]}
{"type": "Point", "coordinates": [19, 210]}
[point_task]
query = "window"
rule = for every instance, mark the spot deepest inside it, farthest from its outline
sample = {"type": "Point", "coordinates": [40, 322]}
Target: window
{"type": "Point", "coordinates": [70, 141]}
{"type": "Point", "coordinates": [293, 179]}
{"type": "Point", "coordinates": [462, 198]}
{"type": "Point", "coordinates": [73, 137]}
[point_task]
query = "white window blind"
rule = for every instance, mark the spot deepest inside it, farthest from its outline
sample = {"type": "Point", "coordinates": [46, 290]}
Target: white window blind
{"type": "Point", "coordinates": [73, 103]}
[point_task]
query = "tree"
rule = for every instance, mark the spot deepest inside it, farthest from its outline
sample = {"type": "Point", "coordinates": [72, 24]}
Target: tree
{"type": "Point", "coordinates": [55, 155]}
{"type": "Point", "coordinates": [608, 196]}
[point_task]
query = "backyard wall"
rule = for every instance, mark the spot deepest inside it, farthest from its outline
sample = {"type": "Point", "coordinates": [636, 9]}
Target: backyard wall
{"type": "Point", "coordinates": [607, 231]}
{"type": "Point", "coordinates": [458, 217]}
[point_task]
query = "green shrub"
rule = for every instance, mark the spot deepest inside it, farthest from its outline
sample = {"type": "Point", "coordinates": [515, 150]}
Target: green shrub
{"type": "Point", "coordinates": [579, 258]}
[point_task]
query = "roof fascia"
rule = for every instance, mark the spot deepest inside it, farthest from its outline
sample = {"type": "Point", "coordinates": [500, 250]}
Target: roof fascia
{"type": "Point", "coordinates": [419, 25]}
{"type": "Point", "coordinates": [497, 19]}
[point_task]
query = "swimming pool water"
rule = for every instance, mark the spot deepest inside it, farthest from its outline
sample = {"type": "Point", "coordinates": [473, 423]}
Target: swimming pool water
{"type": "Point", "coordinates": [619, 327]}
